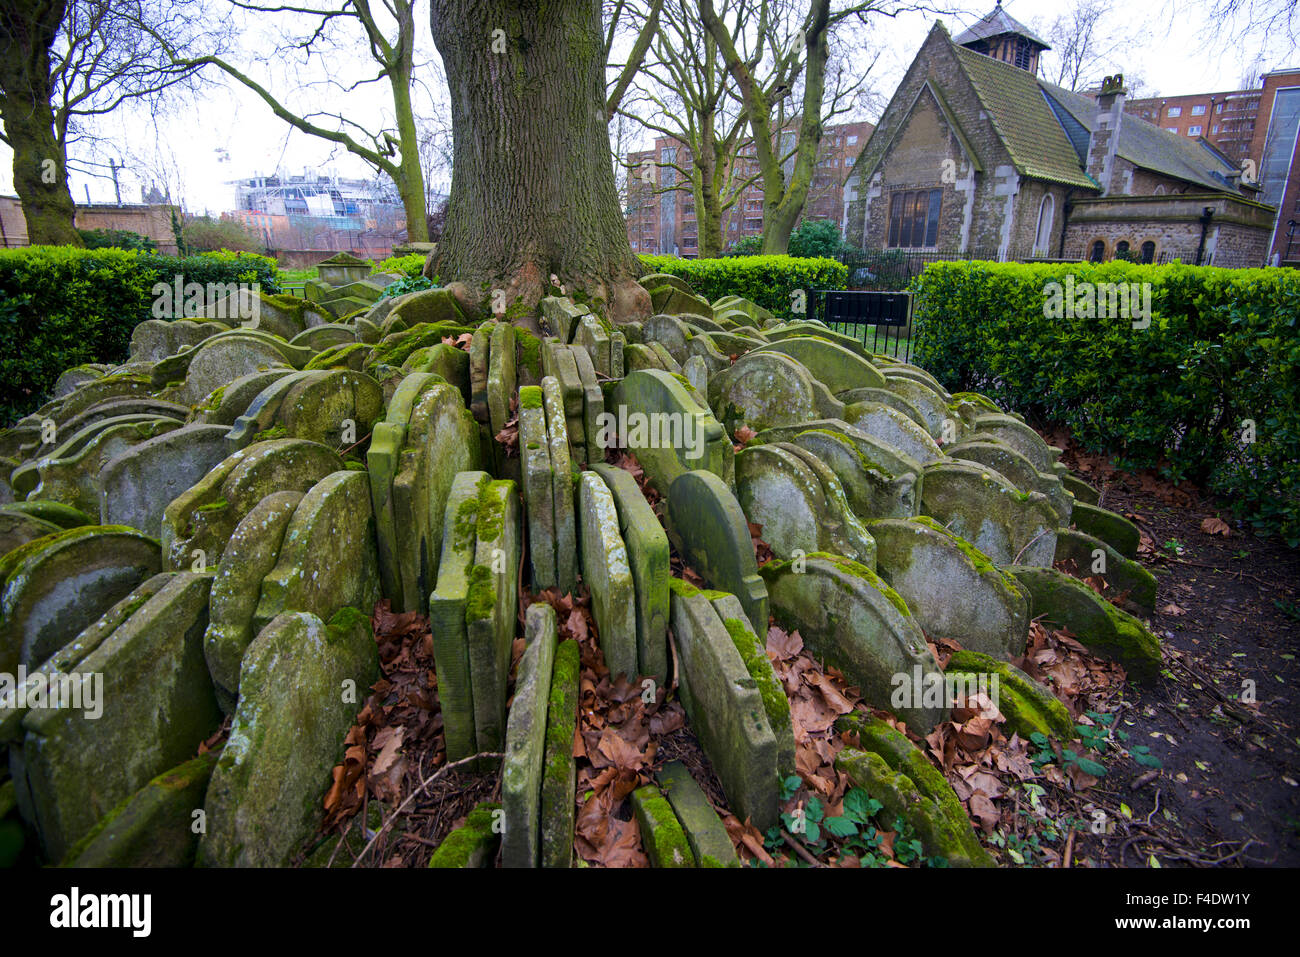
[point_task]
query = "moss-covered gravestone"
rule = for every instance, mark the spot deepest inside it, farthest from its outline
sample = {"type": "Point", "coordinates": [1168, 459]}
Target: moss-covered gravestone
{"type": "Point", "coordinates": [799, 503]}
{"type": "Point", "coordinates": [491, 607]}
{"type": "Point", "coordinates": [57, 585]}
{"type": "Point", "coordinates": [712, 536]}
{"type": "Point", "coordinates": [525, 747]}
{"type": "Point", "coordinates": [250, 554]}
{"type": "Point", "coordinates": [559, 771]}
{"type": "Point", "coordinates": [852, 620]}
{"type": "Point", "coordinates": [447, 613]}
{"type": "Point", "coordinates": [299, 683]}
{"type": "Point", "coordinates": [606, 571]}
{"type": "Point", "coordinates": [148, 687]}
{"type": "Point", "coordinates": [952, 588]}
{"type": "Point", "coordinates": [725, 707]}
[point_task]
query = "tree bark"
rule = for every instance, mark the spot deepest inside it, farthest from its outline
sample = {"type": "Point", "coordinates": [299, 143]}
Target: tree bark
{"type": "Point", "coordinates": [27, 31]}
{"type": "Point", "coordinates": [532, 190]}
{"type": "Point", "coordinates": [409, 175]}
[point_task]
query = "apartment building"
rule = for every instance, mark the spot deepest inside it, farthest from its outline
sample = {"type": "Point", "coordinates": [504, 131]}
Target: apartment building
{"type": "Point", "coordinates": [661, 214]}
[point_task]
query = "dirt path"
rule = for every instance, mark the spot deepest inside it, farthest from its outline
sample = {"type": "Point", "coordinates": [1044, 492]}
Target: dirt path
{"type": "Point", "coordinates": [1226, 612]}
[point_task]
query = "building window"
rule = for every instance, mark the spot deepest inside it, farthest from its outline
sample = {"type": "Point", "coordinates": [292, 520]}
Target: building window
{"type": "Point", "coordinates": [1121, 249]}
{"type": "Point", "coordinates": [1148, 252]}
{"type": "Point", "coordinates": [1193, 131]}
{"type": "Point", "coordinates": [1024, 53]}
{"type": "Point", "coordinates": [1098, 253]}
{"type": "Point", "coordinates": [1214, 129]}
{"type": "Point", "coordinates": [914, 218]}
{"type": "Point", "coordinates": [1174, 111]}
{"type": "Point", "coordinates": [1198, 110]}
{"type": "Point", "coordinates": [1172, 129]}
{"type": "Point", "coordinates": [1046, 211]}
{"type": "Point", "coordinates": [853, 140]}
{"type": "Point", "coordinates": [1219, 108]}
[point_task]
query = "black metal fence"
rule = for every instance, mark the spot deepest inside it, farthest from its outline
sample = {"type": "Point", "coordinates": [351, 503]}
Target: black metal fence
{"type": "Point", "coordinates": [881, 321]}
{"type": "Point", "coordinates": [894, 269]}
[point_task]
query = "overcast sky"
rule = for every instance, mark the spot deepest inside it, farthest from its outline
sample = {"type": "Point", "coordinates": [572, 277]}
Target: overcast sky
{"type": "Point", "coordinates": [231, 134]}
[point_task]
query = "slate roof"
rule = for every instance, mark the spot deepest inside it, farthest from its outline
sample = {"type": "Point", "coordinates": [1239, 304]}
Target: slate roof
{"type": "Point", "coordinates": [1023, 120]}
{"type": "Point", "coordinates": [1148, 146]}
{"type": "Point", "coordinates": [995, 24]}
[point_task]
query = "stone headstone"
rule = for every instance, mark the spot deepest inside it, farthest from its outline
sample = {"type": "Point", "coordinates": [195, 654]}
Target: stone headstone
{"type": "Point", "coordinates": [206, 515]}
{"type": "Point", "coordinates": [853, 621]}
{"type": "Point", "coordinates": [648, 556]}
{"type": "Point", "coordinates": [668, 429]}
{"type": "Point", "coordinates": [57, 585]}
{"type": "Point", "coordinates": [157, 707]}
{"type": "Point", "coordinates": [264, 801]}
{"type": "Point", "coordinates": [138, 485]}
{"type": "Point", "coordinates": [981, 506]}
{"type": "Point", "coordinates": [559, 773]}
{"type": "Point", "coordinates": [952, 589]}
{"type": "Point", "coordinates": [248, 557]}
{"type": "Point", "coordinates": [327, 557]}
{"type": "Point", "coordinates": [606, 571]}
{"type": "Point", "coordinates": [712, 536]}
{"type": "Point", "coordinates": [491, 609]}
{"type": "Point", "coordinates": [447, 613]}
{"type": "Point", "coordinates": [525, 747]}
{"type": "Point", "coordinates": [892, 427]}
{"type": "Point", "coordinates": [725, 708]}
{"type": "Point", "coordinates": [800, 507]}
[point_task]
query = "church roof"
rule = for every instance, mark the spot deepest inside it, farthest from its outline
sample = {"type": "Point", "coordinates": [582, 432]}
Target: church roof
{"type": "Point", "coordinates": [997, 23]}
{"type": "Point", "coordinates": [1024, 120]}
{"type": "Point", "coordinates": [1147, 146]}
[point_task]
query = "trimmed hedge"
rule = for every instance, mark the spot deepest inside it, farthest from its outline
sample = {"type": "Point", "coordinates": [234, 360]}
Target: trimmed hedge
{"type": "Point", "coordinates": [409, 266]}
{"type": "Point", "coordinates": [61, 307]}
{"type": "Point", "coordinates": [1222, 352]}
{"type": "Point", "coordinates": [769, 281]}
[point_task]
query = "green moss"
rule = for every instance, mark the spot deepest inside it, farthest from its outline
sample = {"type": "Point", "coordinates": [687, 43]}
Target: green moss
{"type": "Point", "coordinates": [661, 833]}
{"type": "Point", "coordinates": [862, 571]}
{"type": "Point", "coordinates": [466, 526]}
{"type": "Point", "coordinates": [480, 597]}
{"type": "Point", "coordinates": [336, 357]}
{"type": "Point", "coordinates": [491, 513]}
{"type": "Point", "coordinates": [347, 617]}
{"type": "Point", "coordinates": [274, 432]}
{"type": "Point", "coordinates": [775, 703]}
{"type": "Point", "coordinates": [471, 844]}
{"type": "Point", "coordinates": [12, 562]}
{"type": "Point", "coordinates": [682, 589]}
{"type": "Point", "coordinates": [530, 397]}
{"type": "Point", "coordinates": [213, 401]}
{"type": "Point", "coordinates": [216, 506]}
{"type": "Point", "coordinates": [530, 351]}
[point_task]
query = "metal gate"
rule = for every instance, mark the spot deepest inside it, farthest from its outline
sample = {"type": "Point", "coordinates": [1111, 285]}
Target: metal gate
{"type": "Point", "coordinates": [881, 321]}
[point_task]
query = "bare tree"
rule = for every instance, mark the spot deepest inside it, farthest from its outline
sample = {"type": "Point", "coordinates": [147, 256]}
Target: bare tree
{"type": "Point", "coordinates": [1087, 43]}
{"type": "Point", "coordinates": [325, 35]}
{"type": "Point", "coordinates": [779, 49]}
{"type": "Point", "coordinates": [64, 63]}
{"type": "Point", "coordinates": [686, 95]}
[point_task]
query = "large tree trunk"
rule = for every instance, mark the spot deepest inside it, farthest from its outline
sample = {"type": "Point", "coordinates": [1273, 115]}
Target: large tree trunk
{"type": "Point", "coordinates": [532, 190]}
{"type": "Point", "coordinates": [27, 31]}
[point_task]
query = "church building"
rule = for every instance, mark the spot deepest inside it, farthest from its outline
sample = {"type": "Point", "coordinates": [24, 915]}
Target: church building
{"type": "Point", "coordinates": [976, 156]}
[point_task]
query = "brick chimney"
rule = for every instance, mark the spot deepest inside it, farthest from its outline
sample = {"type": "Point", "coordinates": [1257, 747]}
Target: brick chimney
{"type": "Point", "coordinates": [1105, 138]}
